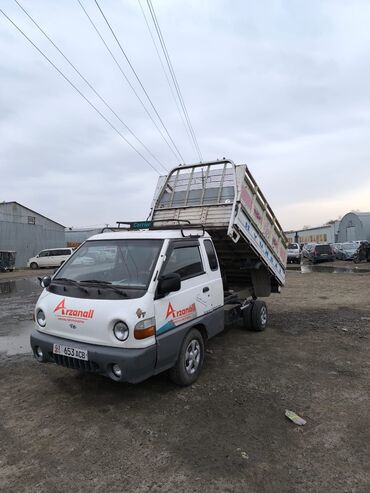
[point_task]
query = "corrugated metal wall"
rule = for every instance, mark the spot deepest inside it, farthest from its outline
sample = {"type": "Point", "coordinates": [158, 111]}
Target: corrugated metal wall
{"type": "Point", "coordinates": [354, 226]}
{"type": "Point", "coordinates": [27, 239]}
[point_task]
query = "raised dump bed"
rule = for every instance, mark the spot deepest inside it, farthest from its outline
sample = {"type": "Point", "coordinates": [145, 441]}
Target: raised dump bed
{"type": "Point", "coordinates": [225, 199]}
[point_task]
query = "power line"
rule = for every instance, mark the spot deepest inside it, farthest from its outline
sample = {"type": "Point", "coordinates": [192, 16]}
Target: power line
{"type": "Point", "coordinates": [89, 84]}
{"type": "Point", "coordinates": [79, 92]}
{"type": "Point", "coordinates": [138, 79]}
{"type": "Point", "coordinates": [165, 73]}
{"type": "Point", "coordinates": [173, 75]}
{"type": "Point", "coordinates": [127, 79]}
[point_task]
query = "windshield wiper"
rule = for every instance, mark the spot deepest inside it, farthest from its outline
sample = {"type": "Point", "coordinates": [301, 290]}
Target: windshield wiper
{"type": "Point", "coordinates": [70, 281]}
{"type": "Point", "coordinates": [106, 284]}
{"type": "Point", "coordinates": [96, 281]}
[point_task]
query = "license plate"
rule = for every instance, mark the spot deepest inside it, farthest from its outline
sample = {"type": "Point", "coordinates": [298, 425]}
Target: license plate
{"type": "Point", "coordinates": [71, 352]}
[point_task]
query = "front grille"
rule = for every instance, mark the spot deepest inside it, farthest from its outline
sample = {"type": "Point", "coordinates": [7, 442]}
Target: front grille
{"type": "Point", "coordinates": [76, 364]}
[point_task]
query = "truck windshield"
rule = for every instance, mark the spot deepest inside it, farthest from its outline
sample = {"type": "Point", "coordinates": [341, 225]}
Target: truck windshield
{"type": "Point", "coordinates": [124, 263]}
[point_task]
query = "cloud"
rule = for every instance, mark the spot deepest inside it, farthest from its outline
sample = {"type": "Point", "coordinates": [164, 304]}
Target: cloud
{"type": "Point", "coordinates": [280, 85]}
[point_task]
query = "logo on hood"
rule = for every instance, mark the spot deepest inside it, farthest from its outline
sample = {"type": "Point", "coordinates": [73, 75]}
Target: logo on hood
{"type": "Point", "coordinates": [63, 312]}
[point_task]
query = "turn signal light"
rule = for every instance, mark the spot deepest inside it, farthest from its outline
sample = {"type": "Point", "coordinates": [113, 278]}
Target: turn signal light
{"type": "Point", "coordinates": [145, 328]}
{"type": "Point", "coordinates": [144, 333]}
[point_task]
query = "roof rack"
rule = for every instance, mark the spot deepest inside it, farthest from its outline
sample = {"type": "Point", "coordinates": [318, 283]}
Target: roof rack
{"type": "Point", "coordinates": [181, 224]}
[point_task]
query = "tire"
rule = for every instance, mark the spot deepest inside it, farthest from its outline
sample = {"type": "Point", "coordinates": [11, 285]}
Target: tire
{"type": "Point", "coordinates": [190, 361]}
{"type": "Point", "coordinates": [34, 265]}
{"type": "Point", "coordinates": [259, 316]}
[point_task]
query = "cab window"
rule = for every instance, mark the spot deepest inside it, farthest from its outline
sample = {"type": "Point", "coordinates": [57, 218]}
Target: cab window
{"type": "Point", "coordinates": [211, 254]}
{"type": "Point", "coordinates": [185, 261]}
{"type": "Point", "coordinates": [45, 253]}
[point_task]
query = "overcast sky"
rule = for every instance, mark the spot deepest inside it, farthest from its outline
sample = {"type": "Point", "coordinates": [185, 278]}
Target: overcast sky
{"type": "Point", "coordinates": [280, 85]}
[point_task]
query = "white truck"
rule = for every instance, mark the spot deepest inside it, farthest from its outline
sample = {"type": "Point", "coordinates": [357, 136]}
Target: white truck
{"type": "Point", "coordinates": [145, 297]}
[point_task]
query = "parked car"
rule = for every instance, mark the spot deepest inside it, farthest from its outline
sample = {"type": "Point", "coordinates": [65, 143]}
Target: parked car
{"type": "Point", "coordinates": [53, 257]}
{"type": "Point", "coordinates": [294, 253]}
{"type": "Point", "coordinates": [346, 251]}
{"type": "Point", "coordinates": [320, 253]}
{"type": "Point", "coordinates": [335, 246]}
{"type": "Point", "coordinates": [306, 249]}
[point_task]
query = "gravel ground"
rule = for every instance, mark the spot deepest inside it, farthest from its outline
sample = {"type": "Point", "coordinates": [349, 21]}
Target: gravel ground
{"type": "Point", "coordinates": [63, 431]}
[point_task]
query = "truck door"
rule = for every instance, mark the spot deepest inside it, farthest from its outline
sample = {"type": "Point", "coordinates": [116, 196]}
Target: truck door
{"type": "Point", "coordinates": [214, 292]}
{"type": "Point", "coordinates": [177, 308]}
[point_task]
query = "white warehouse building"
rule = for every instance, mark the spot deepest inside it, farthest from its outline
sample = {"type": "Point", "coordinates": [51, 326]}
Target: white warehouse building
{"type": "Point", "coordinates": [354, 226]}
{"type": "Point", "coordinates": [320, 234]}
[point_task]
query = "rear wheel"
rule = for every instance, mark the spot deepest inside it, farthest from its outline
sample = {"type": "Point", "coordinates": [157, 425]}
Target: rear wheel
{"type": "Point", "coordinates": [190, 361]}
{"type": "Point", "coordinates": [34, 265]}
{"type": "Point", "coordinates": [259, 316]}
{"type": "Point", "coordinates": [255, 317]}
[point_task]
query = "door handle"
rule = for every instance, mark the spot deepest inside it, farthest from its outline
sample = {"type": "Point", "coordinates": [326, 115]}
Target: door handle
{"type": "Point", "coordinates": [206, 289]}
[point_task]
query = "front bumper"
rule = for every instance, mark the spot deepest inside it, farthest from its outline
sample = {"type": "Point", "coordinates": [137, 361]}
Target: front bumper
{"type": "Point", "coordinates": [136, 364]}
{"type": "Point", "coordinates": [294, 257]}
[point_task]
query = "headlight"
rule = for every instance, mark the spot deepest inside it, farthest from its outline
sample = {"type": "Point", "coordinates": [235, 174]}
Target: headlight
{"type": "Point", "coordinates": [120, 330]}
{"type": "Point", "coordinates": [40, 317]}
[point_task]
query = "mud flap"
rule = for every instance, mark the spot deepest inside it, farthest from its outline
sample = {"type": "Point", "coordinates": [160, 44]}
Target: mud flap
{"type": "Point", "coordinates": [261, 280]}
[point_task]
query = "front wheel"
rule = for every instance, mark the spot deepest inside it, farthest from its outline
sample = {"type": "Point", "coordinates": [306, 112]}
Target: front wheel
{"type": "Point", "coordinates": [190, 361]}
{"type": "Point", "coordinates": [34, 265]}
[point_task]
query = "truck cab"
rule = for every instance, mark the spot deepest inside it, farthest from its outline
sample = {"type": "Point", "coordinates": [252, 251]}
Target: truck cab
{"type": "Point", "coordinates": [130, 304]}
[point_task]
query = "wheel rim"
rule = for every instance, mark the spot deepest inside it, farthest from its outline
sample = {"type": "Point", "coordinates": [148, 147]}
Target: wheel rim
{"type": "Point", "coordinates": [192, 357]}
{"type": "Point", "coordinates": [263, 315]}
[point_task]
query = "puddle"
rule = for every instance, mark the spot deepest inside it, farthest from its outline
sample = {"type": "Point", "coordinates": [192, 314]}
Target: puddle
{"type": "Point", "coordinates": [17, 301]}
{"type": "Point", "coordinates": [309, 268]}
{"type": "Point", "coordinates": [18, 287]}
{"type": "Point", "coordinates": [19, 343]}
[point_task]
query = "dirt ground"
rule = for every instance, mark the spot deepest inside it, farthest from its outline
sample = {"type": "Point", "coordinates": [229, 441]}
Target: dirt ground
{"type": "Point", "coordinates": [63, 431]}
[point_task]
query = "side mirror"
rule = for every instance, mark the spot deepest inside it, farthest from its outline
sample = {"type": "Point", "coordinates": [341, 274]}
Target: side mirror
{"type": "Point", "coordinates": [44, 281]}
{"type": "Point", "coordinates": [169, 283]}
